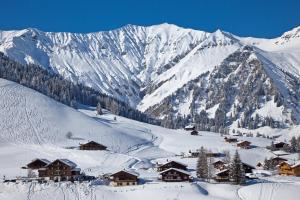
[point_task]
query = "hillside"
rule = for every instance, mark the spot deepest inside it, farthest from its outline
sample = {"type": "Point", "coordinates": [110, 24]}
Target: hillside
{"type": "Point", "coordinates": [35, 126]}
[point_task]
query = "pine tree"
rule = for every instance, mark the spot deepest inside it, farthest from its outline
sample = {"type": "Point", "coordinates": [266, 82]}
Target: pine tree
{"type": "Point", "coordinates": [202, 165]}
{"type": "Point", "coordinates": [236, 170]}
{"type": "Point", "coordinates": [99, 109]}
{"type": "Point", "coordinates": [294, 145]}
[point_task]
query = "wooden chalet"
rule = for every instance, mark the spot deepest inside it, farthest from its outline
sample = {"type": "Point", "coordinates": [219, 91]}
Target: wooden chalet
{"type": "Point", "coordinates": [230, 139]}
{"type": "Point", "coordinates": [92, 146]}
{"type": "Point", "coordinates": [289, 169]}
{"type": "Point", "coordinates": [222, 176]}
{"type": "Point", "coordinates": [280, 145]}
{"type": "Point", "coordinates": [259, 165]}
{"type": "Point", "coordinates": [123, 178]}
{"type": "Point", "coordinates": [277, 160]}
{"type": "Point", "coordinates": [37, 164]}
{"type": "Point", "coordinates": [194, 132]}
{"type": "Point", "coordinates": [248, 168]}
{"type": "Point", "coordinates": [60, 170]}
{"type": "Point", "coordinates": [171, 164]}
{"type": "Point", "coordinates": [175, 175]}
{"type": "Point", "coordinates": [243, 144]}
{"type": "Point", "coordinates": [190, 127]}
{"type": "Point", "coordinates": [219, 164]}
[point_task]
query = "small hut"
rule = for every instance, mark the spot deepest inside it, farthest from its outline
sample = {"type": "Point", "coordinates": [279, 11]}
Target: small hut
{"type": "Point", "coordinates": [243, 144]}
{"type": "Point", "coordinates": [92, 145]}
{"type": "Point", "coordinates": [123, 178]}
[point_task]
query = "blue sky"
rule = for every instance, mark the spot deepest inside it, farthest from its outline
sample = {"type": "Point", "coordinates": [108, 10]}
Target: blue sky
{"type": "Point", "coordinates": [260, 18]}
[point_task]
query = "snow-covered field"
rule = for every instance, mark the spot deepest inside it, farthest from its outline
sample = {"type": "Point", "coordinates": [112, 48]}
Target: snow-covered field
{"type": "Point", "coordinates": [35, 126]}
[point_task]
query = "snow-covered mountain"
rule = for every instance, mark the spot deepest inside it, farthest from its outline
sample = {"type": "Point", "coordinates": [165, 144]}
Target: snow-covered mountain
{"type": "Point", "coordinates": [169, 71]}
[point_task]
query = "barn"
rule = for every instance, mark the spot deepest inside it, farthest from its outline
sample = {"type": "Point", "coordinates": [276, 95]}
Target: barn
{"type": "Point", "coordinates": [92, 145]}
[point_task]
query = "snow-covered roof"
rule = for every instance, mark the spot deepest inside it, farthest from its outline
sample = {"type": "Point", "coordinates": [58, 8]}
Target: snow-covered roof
{"type": "Point", "coordinates": [65, 161]}
{"type": "Point", "coordinates": [240, 142]}
{"type": "Point", "coordinates": [175, 162]}
{"type": "Point", "coordinates": [175, 169]}
{"type": "Point", "coordinates": [218, 161]}
{"type": "Point", "coordinates": [297, 164]}
{"type": "Point", "coordinates": [76, 169]}
{"type": "Point", "coordinates": [280, 153]}
{"type": "Point", "coordinates": [224, 170]}
{"type": "Point", "coordinates": [126, 171]}
{"type": "Point", "coordinates": [190, 126]}
{"type": "Point", "coordinates": [292, 164]}
{"type": "Point", "coordinates": [41, 159]}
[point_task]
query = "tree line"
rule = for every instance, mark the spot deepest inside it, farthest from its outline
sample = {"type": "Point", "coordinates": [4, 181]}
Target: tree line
{"type": "Point", "coordinates": [65, 91]}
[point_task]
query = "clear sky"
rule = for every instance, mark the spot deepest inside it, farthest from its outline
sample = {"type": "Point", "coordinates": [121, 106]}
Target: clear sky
{"type": "Point", "coordinates": [260, 18]}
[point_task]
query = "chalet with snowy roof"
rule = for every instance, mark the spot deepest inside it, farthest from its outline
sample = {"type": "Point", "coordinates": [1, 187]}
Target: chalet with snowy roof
{"type": "Point", "coordinates": [247, 168]}
{"type": "Point", "coordinates": [219, 164]}
{"type": "Point", "coordinates": [171, 164]}
{"type": "Point", "coordinates": [277, 160]}
{"type": "Point", "coordinates": [37, 164]}
{"type": "Point", "coordinates": [280, 144]}
{"type": "Point", "coordinates": [194, 132]}
{"type": "Point", "coordinates": [222, 176]}
{"type": "Point", "coordinates": [230, 139]}
{"type": "Point", "coordinates": [190, 127]}
{"type": "Point", "coordinates": [243, 144]}
{"type": "Point", "coordinates": [92, 145]}
{"type": "Point", "coordinates": [175, 175]}
{"type": "Point", "coordinates": [124, 178]}
{"type": "Point", "coordinates": [60, 170]}
{"type": "Point", "coordinates": [289, 169]}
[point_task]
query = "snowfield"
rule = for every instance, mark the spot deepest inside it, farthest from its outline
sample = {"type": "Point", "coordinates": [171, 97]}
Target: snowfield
{"type": "Point", "coordinates": [35, 126]}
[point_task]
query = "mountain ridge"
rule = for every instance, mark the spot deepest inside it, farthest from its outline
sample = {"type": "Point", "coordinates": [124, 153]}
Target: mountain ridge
{"type": "Point", "coordinates": [144, 66]}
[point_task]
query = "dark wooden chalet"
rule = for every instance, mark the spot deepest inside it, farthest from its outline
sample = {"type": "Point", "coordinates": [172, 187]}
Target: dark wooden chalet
{"type": "Point", "coordinates": [230, 139]}
{"type": "Point", "coordinates": [219, 164]}
{"type": "Point", "coordinates": [37, 164]}
{"type": "Point", "coordinates": [123, 178]}
{"type": "Point", "coordinates": [194, 132]}
{"type": "Point", "coordinates": [60, 170]}
{"type": "Point", "coordinates": [248, 168]}
{"type": "Point", "coordinates": [171, 164]}
{"type": "Point", "coordinates": [175, 175]}
{"type": "Point", "coordinates": [243, 144]}
{"type": "Point", "coordinates": [277, 160]}
{"type": "Point", "coordinates": [92, 146]}
{"type": "Point", "coordinates": [222, 176]}
{"type": "Point", "coordinates": [280, 145]}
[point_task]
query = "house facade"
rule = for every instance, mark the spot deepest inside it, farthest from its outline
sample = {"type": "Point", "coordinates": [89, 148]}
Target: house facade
{"type": "Point", "coordinates": [289, 169]}
{"type": "Point", "coordinates": [243, 144]}
{"type": "Point", "coordinates": [175, 175]}
{"type": "Point", "coordinates": [92, 146]}
{"type": "Point", "coordinates": [222, 176]}
{"type": "Point", "coordinates": [60, 170]}
{"type": "Point", "coordinates": [123, 178]}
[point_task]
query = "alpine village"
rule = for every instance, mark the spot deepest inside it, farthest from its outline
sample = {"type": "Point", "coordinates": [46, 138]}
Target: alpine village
{"type": "Point", "coordinates": [213, 167]}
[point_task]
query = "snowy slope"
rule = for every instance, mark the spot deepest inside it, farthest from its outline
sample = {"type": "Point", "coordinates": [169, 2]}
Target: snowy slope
{"type": "Point", "coordinates": [27, 117]}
